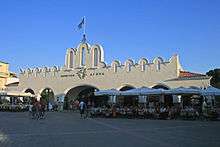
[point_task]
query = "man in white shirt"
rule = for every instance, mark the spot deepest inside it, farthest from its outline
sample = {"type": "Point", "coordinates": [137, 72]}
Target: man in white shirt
{"type": "Point", "coordinates": [81, 108]}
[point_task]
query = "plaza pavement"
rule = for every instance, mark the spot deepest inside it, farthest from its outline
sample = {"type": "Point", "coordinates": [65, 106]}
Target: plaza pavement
{"type": "Point", "coordinates": [67, 129]}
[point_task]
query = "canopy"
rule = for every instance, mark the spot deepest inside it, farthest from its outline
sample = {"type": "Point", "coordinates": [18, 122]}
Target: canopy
{"type": "Point", "coordinates": [16, 94]}
{"type": "Point", "coordinates": [210, 91]}
{"type": "Point", "coordinates": [183, 90]}
{"type": "Point", "coordinates": [108, 92]}
{"type": "Point", "coordinates": [143, 91]}
{"type": "Point", "coordinates": [150, 91]}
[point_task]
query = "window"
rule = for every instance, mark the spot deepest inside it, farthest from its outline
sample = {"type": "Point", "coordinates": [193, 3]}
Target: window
{"type": "Point", "coordinates": [83, 57]}
{"type": "Point", "coordinates": [129, 68]}
{"type": "Point", "coordinates": [158, 65]}
{"type": "Point", "coordinates": [143, 66]}
{"type": "Point", "coordinates": [71, 59]}
{"type": "Point", "coordinates": [115, 67]}
{"type": "Point", "coordinates": [95, 57]}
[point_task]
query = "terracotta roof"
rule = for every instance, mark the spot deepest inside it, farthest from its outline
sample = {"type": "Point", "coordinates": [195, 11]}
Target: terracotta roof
{"type": "Point", "coordinates": [189, 74]}
{"type": "Point", "coordinates": [185, 75]}
{"type": "Point", "coordinates": [189, 78]}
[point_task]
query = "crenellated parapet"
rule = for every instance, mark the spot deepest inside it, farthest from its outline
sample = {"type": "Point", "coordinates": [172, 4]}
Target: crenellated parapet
{"type": "Point", "coordinates": [91, 57]}
{"type": "Point", "coordinates": [39, 70]}
{"type": "Point", "coordinates": [158, 64]}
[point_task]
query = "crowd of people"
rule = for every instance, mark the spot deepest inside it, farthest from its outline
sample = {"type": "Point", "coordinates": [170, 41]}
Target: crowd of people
{"type": "Point", "coordinates": [150, 110]}
{"type": "Point", "coordinates": [158, 111]}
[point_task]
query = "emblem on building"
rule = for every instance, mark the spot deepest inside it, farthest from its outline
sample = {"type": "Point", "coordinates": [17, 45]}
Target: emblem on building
{"type": "Point", "coordinates": [82, 73]}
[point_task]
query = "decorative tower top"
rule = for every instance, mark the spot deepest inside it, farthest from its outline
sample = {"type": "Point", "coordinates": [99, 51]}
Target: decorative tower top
{"type": "Point", "coordinates": [84, 38]}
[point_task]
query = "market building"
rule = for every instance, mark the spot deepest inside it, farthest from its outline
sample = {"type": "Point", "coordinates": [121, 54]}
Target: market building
{"type": "Point", "coordinates": [85, 71]}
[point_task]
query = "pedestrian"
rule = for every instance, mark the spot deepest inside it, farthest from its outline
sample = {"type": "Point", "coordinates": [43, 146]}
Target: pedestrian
{"type": "Point", "coordinates": [86, 111]}
{"type": "Point", "coordinates": [50, 106]}
{"type": "Point", "coordinates": [30, 109]}
{"type": "Point", "coordinates": [81, 108]}
{"type": "Point", "coordinates": [42, 109]}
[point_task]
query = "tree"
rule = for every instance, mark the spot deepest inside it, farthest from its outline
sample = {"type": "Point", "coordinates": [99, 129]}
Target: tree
{"type": "Point", "coordinates": [215, 80]}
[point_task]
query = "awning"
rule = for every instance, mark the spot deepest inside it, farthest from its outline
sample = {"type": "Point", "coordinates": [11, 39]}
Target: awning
{"type": "Point", "coordinates": [107, 92]}
{"type": "Point", "coordinates": [11, 81]}
{"type": "Point", "coordinates": [16, 94]}
{"type": "Point", "coordinates": [142, 91]}
{"type": "Point", "coordinates": [210, 91]}
{"type": "Point", "coordinates": [150, 91]}
{"type": "Point", "coordinates": [183, 90]}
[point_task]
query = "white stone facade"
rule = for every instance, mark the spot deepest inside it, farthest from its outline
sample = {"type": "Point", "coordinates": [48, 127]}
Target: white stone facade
{"type": "Point", "coordinates": [85, 66]}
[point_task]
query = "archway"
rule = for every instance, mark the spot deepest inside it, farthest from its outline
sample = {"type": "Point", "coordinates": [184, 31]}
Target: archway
{"type": "Point", "coordinates": [83, 93]}
{"type": "Point", "coordinates": [126, 87]}
{"type": "Point", "coordinates": [47, 95]}
{"type": "Point", "coordinates": [29, 90]}
{"type": "Point", "coordinates": [168, 99]}
{"type": "Point", "coordinates": [29, 100]}
{"type": "Point", "coordinates": [127, 100]}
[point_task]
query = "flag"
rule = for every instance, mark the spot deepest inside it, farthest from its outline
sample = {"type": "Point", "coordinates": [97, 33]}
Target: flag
{"type": "Point", "coordinates": [80, 25]}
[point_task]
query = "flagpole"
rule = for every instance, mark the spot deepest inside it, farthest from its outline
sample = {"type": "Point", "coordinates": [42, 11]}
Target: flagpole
{"type": "Point", "coordinates": [84, 28]}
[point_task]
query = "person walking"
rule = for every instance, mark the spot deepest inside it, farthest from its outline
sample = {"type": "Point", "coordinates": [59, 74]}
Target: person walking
{"type": "Point", "coordinates": [50, 106]}
{"type": "Point", "coordinates": [86, 109]}
{"type": "Point", "coordinates": [42, 109]}
{"type": "Point", "coordinates": [81, 108]}
{"type": "Point", "coordinates": [30, 110]}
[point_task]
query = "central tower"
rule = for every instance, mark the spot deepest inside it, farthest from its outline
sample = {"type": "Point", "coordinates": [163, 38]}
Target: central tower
{"type": "Point", "coordinates": [84, 56]}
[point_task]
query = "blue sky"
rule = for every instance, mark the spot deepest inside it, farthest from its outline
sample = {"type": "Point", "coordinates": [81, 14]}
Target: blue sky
{"type": "Point", "coordinates": [37, 32]}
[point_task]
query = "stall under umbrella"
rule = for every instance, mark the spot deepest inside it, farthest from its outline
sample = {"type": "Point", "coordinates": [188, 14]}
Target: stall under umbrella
{"type": "Point", "coordinates": [210, 91]}
{"type": "Point", "coordinates": [112, 93]}
{"type": "Point", "coordinates": [143, 93]}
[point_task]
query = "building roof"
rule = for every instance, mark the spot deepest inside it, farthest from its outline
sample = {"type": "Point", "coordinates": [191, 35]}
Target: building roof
{"type": "Point", "coordinates": [186, 75]}
{"type": "Point", "coordinates": [189, 74]}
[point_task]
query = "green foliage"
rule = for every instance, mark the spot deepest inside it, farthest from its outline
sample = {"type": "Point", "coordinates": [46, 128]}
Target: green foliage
{"type": "Point", "coordinates": [215, 80]}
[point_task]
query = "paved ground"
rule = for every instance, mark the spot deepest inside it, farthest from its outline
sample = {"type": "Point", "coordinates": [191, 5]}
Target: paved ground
{"type": "Point", "coordinates": [67, 129]}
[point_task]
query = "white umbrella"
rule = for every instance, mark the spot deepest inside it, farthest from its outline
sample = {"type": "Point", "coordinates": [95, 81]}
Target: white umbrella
{"type": "Point", "coordinates": [17, 94]}
{"type": "Point", "coordinates": [210, 91]}
{"type": "Point", "coordinates": [142, 91]}
{"type": "Point", "coordinates": [133, 92]}
{"type": "Point", "coordinates": [108, 92]}
{"type": "Point", "coordinates": [183, 90]}
{"type": "Point", "coordinates": [153, 91]}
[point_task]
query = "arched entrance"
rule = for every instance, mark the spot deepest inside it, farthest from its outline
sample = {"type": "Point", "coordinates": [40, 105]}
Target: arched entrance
{"type": "Point", "coordinates": [47, 95]}
{"type": "Point", "coordinates": [127, 100]}
{"type": "Point", "coordinates": [168, 99]}
{"type": "Point", "coordinates": [29, 100]}
{"type": "Point", "coordinates": [83, 93]}
{"type": "Point", "coordinates": [29, 91]}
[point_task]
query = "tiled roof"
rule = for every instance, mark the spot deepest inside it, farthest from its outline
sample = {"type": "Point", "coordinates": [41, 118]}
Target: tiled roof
{"type": "Point", "coordinates": [189, 74]}
{"type": "Point", "coordinates": [185, 75]}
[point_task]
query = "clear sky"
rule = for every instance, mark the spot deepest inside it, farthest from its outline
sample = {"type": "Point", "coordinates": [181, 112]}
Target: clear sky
{"type": "Point", "coordinates": [37, 32]}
